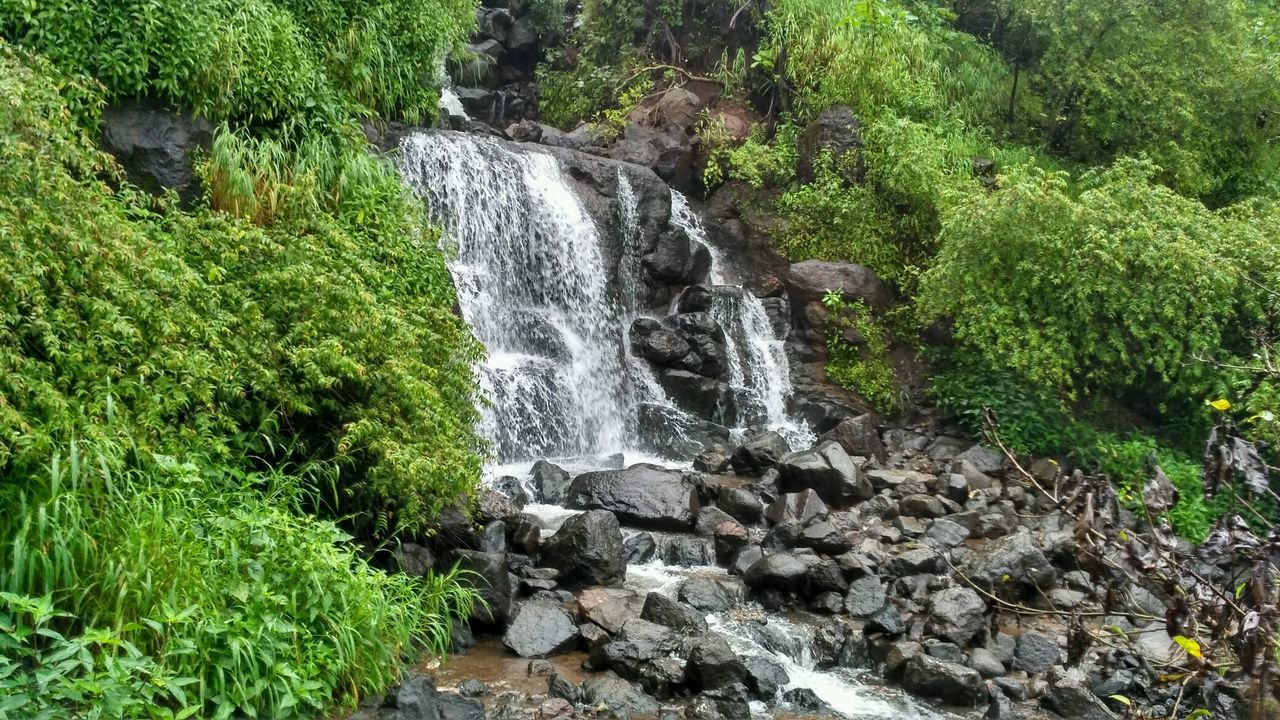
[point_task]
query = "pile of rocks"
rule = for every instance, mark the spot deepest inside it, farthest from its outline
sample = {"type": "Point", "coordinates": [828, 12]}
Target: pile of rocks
{"type": "Point", "coordinates": [910, 552]}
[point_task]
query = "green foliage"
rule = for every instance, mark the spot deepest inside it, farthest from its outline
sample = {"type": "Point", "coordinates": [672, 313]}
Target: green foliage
{"type": "Point", "coordinates": [1124, 458]}
{"type": "Point", "coordinates": [172, 589]}
{"type": "Point", "coordinates": [547, 16]}
{"type": "Point", "coordinates": [1031, 418]}
{"type": "Point", "coordinates": [1190, 84]}
{"type": "Point", "coordinates": [1112, 288]}
{"type": "Point", "coordinates": [859, 353]}
{"type": "Point", "coordinates": [261, 59]}
{"type": "Point", "coordinates": [325, 336]}
{"type": "Point", "coordinates": [880, 56]}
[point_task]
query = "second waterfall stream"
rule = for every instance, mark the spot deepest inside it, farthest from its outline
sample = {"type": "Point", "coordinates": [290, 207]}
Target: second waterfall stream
{"type": "Point", "coordinates": [551, 290]}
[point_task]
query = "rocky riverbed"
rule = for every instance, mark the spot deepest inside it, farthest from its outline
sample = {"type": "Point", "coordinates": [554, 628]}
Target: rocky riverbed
{"type": "Point", "coordinates": [884, 557]}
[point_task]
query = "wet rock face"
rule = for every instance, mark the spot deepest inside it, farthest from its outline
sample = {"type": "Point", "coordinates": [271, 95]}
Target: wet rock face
{"type": "Point", "coordinates": [492, 582]}
{"type": "Point", "coordinates": [587, 550]}
{"type": "Point", "coordinates": [540, 628]}
{"type": "Point", "coordinates": [828, 471]}
{"type": "Point", "coordinates": [642, 496]}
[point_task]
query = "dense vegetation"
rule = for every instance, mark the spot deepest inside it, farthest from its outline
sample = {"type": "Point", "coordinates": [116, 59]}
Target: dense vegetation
{"type": "Point", "coordinates": [195, 399]}
{"type": "Point", "coordinates": [1082, 191]}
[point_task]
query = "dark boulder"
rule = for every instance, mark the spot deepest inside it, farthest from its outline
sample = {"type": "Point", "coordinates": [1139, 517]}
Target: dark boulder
{"type": "Point", "coordinates": [859, 437]}
{"type": "Point", "coordinates": [672, 614]}
{"type": "Point", "coordinates": [677, 259]}
{"type": "Point", "coordinates": [695, 298]}
{"type": "Point", "coordinates": [1036, 653]}
{"type": "Point", "coordinates": [550, 482]}
{"type": "Point", "coordinates": [644, 496]}
{"type": "Point", "coordinates": [713, 664]}
{"type": "Point", "coordinates": [799, 507]}
{"type": "Point", "coordinates": [622, 699]}
{"type": "Point", "coordinates": [490, 579]}
{"type": "Point", "coordinates": [741, 504]}
{"type": "Point", "coordinates": [540, 628]}
{"type": "Point", "coordinates": [957, 614]}
{"type": "Point", "coordinates": [779, 571]}
{"type": "Point", "coordinates": [1011, 565]}
{"type": "Point", "coordinates": [810, 280]}
{"type": "Point", "coordinates": [865, 597]}
{"type": "Point", "coordinates": [823, 537]}
{"type": "Point", "coordinates": [835, 132]}
{"type": "Point", "coordinates": [705, 595]}
{"type": "Point", "coordinates": [828, 470]}
{"type": "Point", "coordinates": [156, 146]}
{"type": "Point", "coordinates": [951, 683]}
{"type": "Point", "coordinates": [759, 453]}
{"type": "Point", "coordinates": [764, 677]}
{"type": "Point", "coordinates": [587, 550]}
{"type": "Point", "coordinates": [714, 459]}
{"type": "Point", "coordinates": [640, 548]}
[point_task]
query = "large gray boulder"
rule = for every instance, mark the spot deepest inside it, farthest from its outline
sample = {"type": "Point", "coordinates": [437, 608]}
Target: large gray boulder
{"type": "Point", "coordinates": [951, 683]}
{"type": "Point", "coordinates": [156, 146]}
{"type": "Point", "coordinates": [587, 550]}
{"type": "Point", "coordinates": [540, 628]}
{"type": "Point", "coordinates": [713, 664]}
{"type": "Point", "coordinates": [809, 281]}
{"type": "Point", "coordinates": [957, 614]}
{"type": "Point", "coordinates": [643, 496]}
{"type": "Point", "coordinates": [827, 470]}
{"type": "Point", "coordinates": [759, 453]}
{"type": "Point", "coordinates": [1011, 566]}
{"type": "Point", "coordinates": [550, 482]}
{"type": "Point", "coordinates": [779, 571]}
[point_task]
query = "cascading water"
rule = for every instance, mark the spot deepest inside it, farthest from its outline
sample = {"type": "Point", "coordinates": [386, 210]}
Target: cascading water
{"type": "Point", "coordinates": [534, 284]}
{"type": "Point", "coordinates": [758, 371]}
{"type": "Point", "coordinates": [531, 282]}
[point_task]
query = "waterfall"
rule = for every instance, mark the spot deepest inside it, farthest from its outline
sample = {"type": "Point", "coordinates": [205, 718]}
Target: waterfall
{"type": "Point", "coordinates": [534, 282]}
{"type": "Point", "coordinates": [759, 374]}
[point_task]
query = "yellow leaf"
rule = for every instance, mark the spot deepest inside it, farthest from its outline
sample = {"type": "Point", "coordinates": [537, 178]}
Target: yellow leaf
{"type": "Point", "coordinates": [1220, 405]}
{"type": "Point", "coordinates": [1121, 699]}
{"type": "Point", "coordinates": [1191, 646]}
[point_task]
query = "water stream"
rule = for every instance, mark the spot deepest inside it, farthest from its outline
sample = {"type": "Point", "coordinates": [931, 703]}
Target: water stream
{"type": "Point", "coordinates": [532, 278]}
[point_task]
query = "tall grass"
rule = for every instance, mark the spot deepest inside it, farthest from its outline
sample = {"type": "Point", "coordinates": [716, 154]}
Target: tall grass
{"type": "Point", "coordinates": [220, 580]}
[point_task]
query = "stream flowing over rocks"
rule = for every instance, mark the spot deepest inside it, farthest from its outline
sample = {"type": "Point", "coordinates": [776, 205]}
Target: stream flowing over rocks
{"type": "Point", "coordinates": [678, 524]}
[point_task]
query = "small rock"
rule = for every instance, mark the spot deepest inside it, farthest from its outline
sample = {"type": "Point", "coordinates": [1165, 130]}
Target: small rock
{"type": "Point", "coordinates": [986, 663]}
{"type": "Point", "coordinates": [1036, 653]}
{"type": "Point", "coordinates": [713, 664]}
{"type": "Point", "coordinates": [957, 614]}
{"type": "Point", "coordinates": [705, 595]}
{"type": "Point", "coordinates": [866, 596]}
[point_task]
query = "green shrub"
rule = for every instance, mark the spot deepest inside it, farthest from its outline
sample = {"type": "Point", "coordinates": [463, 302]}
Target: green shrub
{"type": "Point", "coordinates": [1114, 288]}
{"type": "Point", "coordinates": [881, 56]}
{"type": "Point", "coordinates": [259, 59]}
{"type": "Point", "coordinates": [859, 354]}
{"type": "Point", "coordinates": [325, 336]}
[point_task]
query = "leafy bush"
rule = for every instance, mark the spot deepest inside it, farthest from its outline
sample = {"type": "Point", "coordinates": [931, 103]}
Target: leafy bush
{"type": "Point", "coordinates": [881, 56]}
{"type": "Point", "coordinates": [261, 59]}
{"type": "Point", "coordinates": [1183, 83]}
{"type": "Point", "coordinates": [326, 336]}
{"type": "Point", "coordinates": [1111, 289]}
{"type": "Point", "coordinates": [191, 589]}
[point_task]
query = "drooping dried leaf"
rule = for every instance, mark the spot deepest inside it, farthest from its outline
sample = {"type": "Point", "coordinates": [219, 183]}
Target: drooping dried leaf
{"type": "Point", "coordinates": [1159, 495]}
{"type": "Point", "coordinates": [1215, 467]}
{"type": "Point", "coordinates": [1246, 460]}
